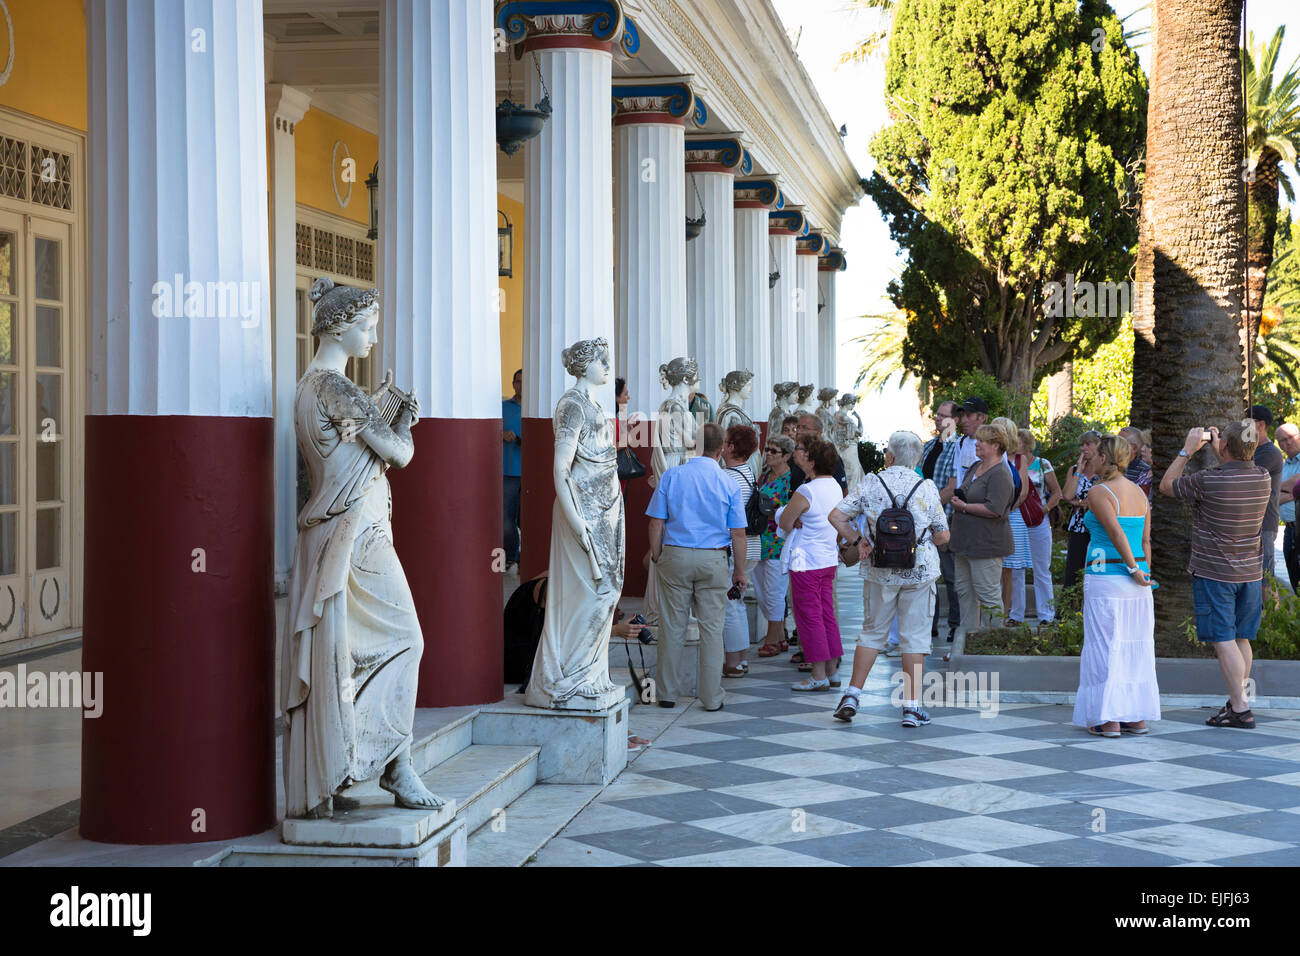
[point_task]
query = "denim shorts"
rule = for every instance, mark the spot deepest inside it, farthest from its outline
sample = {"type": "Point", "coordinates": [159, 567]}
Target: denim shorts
{"type": "Point", "coordinates": [1226, 612]}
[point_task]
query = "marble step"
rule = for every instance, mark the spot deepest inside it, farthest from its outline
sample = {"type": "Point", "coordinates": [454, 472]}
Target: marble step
{"type": "Point", "coordinates": [528, 824]}
{"type": "Point", "coordinates": [483, 779]}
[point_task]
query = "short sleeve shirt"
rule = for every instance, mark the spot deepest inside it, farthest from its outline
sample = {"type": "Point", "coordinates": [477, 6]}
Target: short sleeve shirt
{"type": "Point", "coordinates": [869, 498]}
{"type": "Point", "coordinates": [698, 504]}
{"type": "Point", "coordinates": [1228, 505]}
{"type": "Point", "coordinates": [1268, 457]}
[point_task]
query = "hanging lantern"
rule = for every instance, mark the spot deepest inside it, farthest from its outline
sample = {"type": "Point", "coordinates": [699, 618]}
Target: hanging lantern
{"type": "Point", "coordinates": [517, 124]}
{"type": "Point", "coordinates": [505, 247]}
{"type": "Point", "coordinates": [775, 274]}
{"type": "Point", "coordinates": [695, 226]}
{"type": "Point", "coordinates": [372, 187]}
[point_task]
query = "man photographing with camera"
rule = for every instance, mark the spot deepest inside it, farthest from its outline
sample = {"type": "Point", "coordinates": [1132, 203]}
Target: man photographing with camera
{"type": "Point", "coordinates": [1228, 505]}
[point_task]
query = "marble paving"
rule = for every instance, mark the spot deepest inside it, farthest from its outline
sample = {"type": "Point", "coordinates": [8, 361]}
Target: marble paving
{"type": "Point", "coordinates": [774, 780]}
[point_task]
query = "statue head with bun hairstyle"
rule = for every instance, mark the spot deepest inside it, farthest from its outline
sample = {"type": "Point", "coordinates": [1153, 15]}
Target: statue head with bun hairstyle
{"type": "Point", "coordinates": [735, 381]}
{"type": "Point", "coordinates": [826, 394]}
{"type": "Point", "coordinates": [337, 307]}
{"type": "Point", "coordinates": [679, 371]}
{"type": "Point", "coordinates": [783, 390]}
{"type": "Point", "coordinates": [805, 393]}
{"type": "Point", "coordinates": [579, 356]}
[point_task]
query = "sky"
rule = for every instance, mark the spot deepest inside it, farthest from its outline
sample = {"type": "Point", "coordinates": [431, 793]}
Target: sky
{"type": "Point", "coordinates": [854, 96]}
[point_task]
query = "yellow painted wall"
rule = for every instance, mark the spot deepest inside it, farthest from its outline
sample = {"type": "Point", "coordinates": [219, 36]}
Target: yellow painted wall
{"type": "Point", "coordinates": [313, 146]}
{"type": "Point", "coordinates": [512, 316]}
{"type": "Point", "coordinates": [49, 66]}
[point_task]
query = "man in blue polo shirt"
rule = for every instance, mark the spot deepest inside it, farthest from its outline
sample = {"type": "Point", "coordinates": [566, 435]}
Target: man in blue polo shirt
{"type": "Point", "coordinates": [696, 519]}
{"type": "Point", "coordinates": [512, 426]}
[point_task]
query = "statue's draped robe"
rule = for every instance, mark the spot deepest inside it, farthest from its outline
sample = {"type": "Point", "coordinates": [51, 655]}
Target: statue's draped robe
{"type": "Point", "coordinates": [352, 642]}
{"type": "Point", "coordinates": [844, 433]}
{"type": "Point", "coordinates": [778, 415]}
{"type": "Point", "coordinates": [572, 659]}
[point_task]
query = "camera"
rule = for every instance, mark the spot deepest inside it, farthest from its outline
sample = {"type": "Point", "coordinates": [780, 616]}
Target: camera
{"type": "Point", "coordinates": [959, 494]}
{"type": "Point", "coordinates": [735, 592]}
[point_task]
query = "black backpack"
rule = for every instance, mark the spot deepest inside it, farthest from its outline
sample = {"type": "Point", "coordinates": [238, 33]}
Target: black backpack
{"type": "Point", "coordinates": [896, 543]}
{"type": "Point", "coordinates": [758, 511]}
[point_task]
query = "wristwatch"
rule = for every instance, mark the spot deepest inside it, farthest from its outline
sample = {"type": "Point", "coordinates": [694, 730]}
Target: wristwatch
{"type": "Point", "coordinates": [1182, 453]}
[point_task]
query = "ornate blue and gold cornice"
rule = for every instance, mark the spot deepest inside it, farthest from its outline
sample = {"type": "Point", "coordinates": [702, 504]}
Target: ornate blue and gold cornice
{"type": "Point", "coordinates": [789, 221]}
{"type": "Point", "coordinates": [810, 244]}
{"type": "Point", "coordinates": [831, 260]}
{"type": "Point", "coordinates": [718, 154]}
{"type": "Point", "coordinates": [758, 193]}
{"type": "Point", "coordinates": [657, 100]}
{"type": "Point", "coordinates": [557, 24]}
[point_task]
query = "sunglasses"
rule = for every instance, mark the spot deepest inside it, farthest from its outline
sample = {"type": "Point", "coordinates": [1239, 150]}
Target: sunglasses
{"type": "Point", "coordinates": [774, 451]}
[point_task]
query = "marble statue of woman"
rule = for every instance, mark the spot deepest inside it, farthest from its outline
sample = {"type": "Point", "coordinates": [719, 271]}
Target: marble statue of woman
{"type": "Point", "coordinates": [736, 388]}
{"type": "Point", "coordinates": [571, 667]}
{"type": "Point", "coordinates": [846, 429]}
{"type": "Point", "coordinates": [784, 407]}
{"type": "Point", "coordinates": [675, 427]}
{"type": "Point", "coordinates": [824, 410]}
{"type": "Point", "coordinates": [352, 642]}
{"type": "Point", "coordinates": [804, 402]}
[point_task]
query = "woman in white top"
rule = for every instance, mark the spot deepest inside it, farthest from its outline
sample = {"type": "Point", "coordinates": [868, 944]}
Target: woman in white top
{"type": "Point", "coordinates": [811, 555]}
{"type": "Point", "coordinates": [740, 444]}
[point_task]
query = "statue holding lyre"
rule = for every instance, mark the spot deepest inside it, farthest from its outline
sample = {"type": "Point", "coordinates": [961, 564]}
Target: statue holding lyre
{"type": "Point", "coordinates": [571, 668]}
{"type": "Point", "coordinates": [352, 642]}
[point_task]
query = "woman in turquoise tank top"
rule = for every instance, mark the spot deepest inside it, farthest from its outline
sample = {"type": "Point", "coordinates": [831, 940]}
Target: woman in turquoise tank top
{"type": "Point", "coordinates": [1117, 669]}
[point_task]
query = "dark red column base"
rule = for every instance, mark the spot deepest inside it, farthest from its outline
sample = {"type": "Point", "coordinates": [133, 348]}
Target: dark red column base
{"type": "Point", "coordinates": [186, 737]}
{"type": "Point", "coordinates": [448, 523]}
{"type": "Point", "coordinates": [537, 496]}
{"type": "Point", "coordinates": [637, 525]}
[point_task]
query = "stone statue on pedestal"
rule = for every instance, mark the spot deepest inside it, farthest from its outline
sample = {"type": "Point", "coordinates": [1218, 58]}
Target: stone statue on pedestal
{"type": "Point", "coordinates": [736, 388]}
{"type": "Point", "coordinates": [785, 403]}
{"type": "Point", "coordinates": [352, 642]}
{"type": "Point", "coordinates": [571, 668]}
{"type": "Point", "coordinates": [846, 429]}
{"type": "Point", "coordinates": [805, 400]}
{"type": "Point", "coordinates": [824, 410]}
{"type": "Point", "coordinates": [675, 426]}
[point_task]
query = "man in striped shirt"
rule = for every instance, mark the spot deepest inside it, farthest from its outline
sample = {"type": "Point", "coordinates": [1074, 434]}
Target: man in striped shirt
{"type": "Point", "coordinates": [1228, 505]}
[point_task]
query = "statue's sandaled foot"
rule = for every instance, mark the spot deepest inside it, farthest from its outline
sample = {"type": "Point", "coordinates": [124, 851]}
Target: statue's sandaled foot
{"type": "Point", "coordinates": [409, 792]}
{"type": "Point", "coordinates": [322, 810]}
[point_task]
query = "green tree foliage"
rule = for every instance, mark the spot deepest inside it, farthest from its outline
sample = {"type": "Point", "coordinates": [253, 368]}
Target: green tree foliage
{"type": "Point", "coordinates": [1277, 375]}
{"type": "Point", "coordinates": [1010, 163]}
{"type": "Point", "coordinates": [1103, 387]}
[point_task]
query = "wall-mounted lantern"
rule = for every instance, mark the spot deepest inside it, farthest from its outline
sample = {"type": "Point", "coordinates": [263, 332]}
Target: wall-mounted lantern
{"type": "Point", "coordinates": [372, 187]}
{"type": "Point", "coordinates": [505, 246]}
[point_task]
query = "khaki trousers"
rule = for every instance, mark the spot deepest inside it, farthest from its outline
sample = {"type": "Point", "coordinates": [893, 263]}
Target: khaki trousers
{"type": "Point", "coordinates": [692, 578]}
{"type": "Point", "coordinates": [979, 585]}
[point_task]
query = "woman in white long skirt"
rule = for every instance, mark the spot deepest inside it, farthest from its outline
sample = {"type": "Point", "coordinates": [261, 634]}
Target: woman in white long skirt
{"type": "Point", "coordinates": [1117, 669]}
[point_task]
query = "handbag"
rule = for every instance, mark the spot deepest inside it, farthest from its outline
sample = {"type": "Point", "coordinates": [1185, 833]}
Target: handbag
{"type": "Point", "coordinates": [629, 465]}
{"type": "Point", "coordinates": [1031, 510]}
{"type": "Point", "coordinates": [849, 554]}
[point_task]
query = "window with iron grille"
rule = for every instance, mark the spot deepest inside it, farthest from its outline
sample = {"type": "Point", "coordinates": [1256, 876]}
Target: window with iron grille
{"type": "Point", "coordinates": [13, 168]}
{"type": "Point", "coordinates": [302, 244]}
{"type": "Point", "coordinates": [51, 178]}
{"type": "Point", "coordinates": [324, 250]}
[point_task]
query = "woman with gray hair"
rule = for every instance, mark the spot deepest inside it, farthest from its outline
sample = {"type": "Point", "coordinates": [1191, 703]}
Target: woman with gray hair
{"type": "Point", "coordinates": [892, 585]}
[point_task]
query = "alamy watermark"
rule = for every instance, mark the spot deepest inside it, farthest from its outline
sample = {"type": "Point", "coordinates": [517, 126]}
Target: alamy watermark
{"type": "Point", "coordinates": [1084, 299]}
{"type": "Point", "coordinates": [176, 299]}
{"type": "Point", "coordinates": [55, 689]}
{"type": "Point", "coordinates": [977, 690]}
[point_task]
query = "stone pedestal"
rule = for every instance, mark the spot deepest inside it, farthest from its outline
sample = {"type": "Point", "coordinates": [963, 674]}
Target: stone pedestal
{"type": "Point", "coordinates": [577, 746]}
{"type": "Point", "coordinates": [371, 826]}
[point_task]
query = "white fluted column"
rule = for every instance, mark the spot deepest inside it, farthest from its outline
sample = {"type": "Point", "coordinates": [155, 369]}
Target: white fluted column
{"type": "Point", "coordinates": [805, 308]}
{"type": "Point", "coordinates": [179, 516]}
{"type": "Point", "coordinates": [711, 165]}
{"type": "Point", "coordinates": [753, 199]}
{"type": "Point", "coordinates": [785, 332]}
{"type": "Point", "coordinates": [441, 336]}
{"type": "Point", "coordinates": [827, 335]}
{"type": "Point", "coordinates": [285, 108]}
{"type": "Point", "coordinates": [569, 236]}
{"type": "Point", "coordinates": [649, 186]}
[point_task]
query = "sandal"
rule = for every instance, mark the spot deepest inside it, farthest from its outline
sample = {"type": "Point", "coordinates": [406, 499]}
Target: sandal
{"type": "Point", "coordinates": [785, 645]}
{"type": "Point", "coordinates": [636, 744]}
{"type": "Point", "coordinates": [1098, 732]}
{"type": "Point", "coordinates": [1243, 720]}
{"type": "Point", "coordinates": [734, 671]}
{"type": "Point", "coordinates": [804, 668]}
{"type": "Point", "coordinates": [770, 650]}
{"type": "Point", "coordinates": [796, 657]}
{"type": "Point", "coordinates": [1133, 729]}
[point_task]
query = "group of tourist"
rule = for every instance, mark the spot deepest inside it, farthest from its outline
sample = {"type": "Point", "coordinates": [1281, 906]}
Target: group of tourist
{"type": "Point", "coordinates": [980, 502]}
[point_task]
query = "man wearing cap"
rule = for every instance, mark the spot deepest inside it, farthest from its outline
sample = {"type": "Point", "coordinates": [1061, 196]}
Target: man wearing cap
{"type": "Point", "coordinates": [1269, 458]}
{"type": "Point", "coordinates": [1288, 437]}
{"type": "Point", "coordinates": [974, 413]}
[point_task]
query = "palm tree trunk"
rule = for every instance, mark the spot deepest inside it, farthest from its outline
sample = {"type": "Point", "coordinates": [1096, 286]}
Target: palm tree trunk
{"type": "Point", "coordinates": [1192, 250]}
{"type": "Point", "coordinates": [1261, 231]}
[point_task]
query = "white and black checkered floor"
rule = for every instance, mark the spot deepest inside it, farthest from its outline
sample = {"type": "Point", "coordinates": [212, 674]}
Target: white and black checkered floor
{"type": "Point", "coordinates": [773, 780]}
